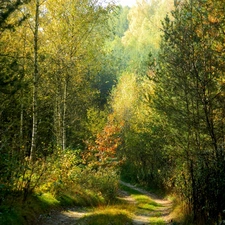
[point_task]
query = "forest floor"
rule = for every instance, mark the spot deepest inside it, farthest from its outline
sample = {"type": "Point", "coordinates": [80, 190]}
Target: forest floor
{"type": "Point", "coordinates": [140, 208]}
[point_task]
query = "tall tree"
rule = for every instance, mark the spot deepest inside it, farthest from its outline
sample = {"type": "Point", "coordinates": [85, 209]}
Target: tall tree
{"type": "Point", "coordinates": [9, 19]}
{"type": "Point", "coordinates": [143, 34]}
{"type": "Point", "coordinates": [74, 60]}
{"type": "Point", "coordinates": [35, 82]}
{"type": "Point", "coordinates": [189, 89]}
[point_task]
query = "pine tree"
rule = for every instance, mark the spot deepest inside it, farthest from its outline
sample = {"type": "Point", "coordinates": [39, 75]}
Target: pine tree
{"type": "Point", "coordinates": [189, 89]}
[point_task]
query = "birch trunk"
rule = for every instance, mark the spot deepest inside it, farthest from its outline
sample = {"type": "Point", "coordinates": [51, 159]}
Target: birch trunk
{"type": "Point", "coordinates": [35, 84]}
{"type": "Point", "coordinates": [58, 121]}
{"type": "Point", "coordinates": [64, 116]}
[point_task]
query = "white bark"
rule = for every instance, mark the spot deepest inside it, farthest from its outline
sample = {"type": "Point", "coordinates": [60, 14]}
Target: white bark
{"type": "Point", "coordinates": [35, 84]}
{"type": "Point", "coordinates": [64, 116]}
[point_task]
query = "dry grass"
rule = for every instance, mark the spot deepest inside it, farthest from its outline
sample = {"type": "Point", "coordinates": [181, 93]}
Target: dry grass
{"type": "Point", "coordinates": [117, 214]}
{"type": "Point", "coordinates": [135, 208]}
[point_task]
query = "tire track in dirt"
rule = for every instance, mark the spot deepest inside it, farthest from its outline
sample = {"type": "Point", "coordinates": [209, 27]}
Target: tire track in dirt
{"type": "Point", "coordinates": [163, 211]}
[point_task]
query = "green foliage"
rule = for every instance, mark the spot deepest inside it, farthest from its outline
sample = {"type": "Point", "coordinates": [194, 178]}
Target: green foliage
{"type": "Point", "coordinates": [103, 181]}
{"type": "Point", "coordinates": [132, 96]}
{"type": "Point", "coordinates": [69, 57]}
{"type": "Point", "coordinates": [71, 182]}
{"type": "Point", "coordinates": [96, 121]}
{"type": "Point", "coordinates": [8, 8]}
{"type": "Point", "coordinates": [143, 34]}
{"type": "Point", "coordinates": [118, 22]}
{"type": "Point", "coordinates": [59, 181]}
{"type": "Point", "coordinates": [189, 82]}
{"type": "Point", "coordinates": [131, 102]}
{"type": "Point", "coordinates": [10, 217]}
{"type": "Point", "coordinates": [19, 212]}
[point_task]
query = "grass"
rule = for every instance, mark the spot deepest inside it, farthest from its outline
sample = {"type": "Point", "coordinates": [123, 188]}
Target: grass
{"type": "Point", "coordinates": [114, 215]}
{"type": "Point", "coordinates": [9, 216]}
{"type": "Point", "coordinates": [46, 200]}
{"type": "Point", "coordinates": [147, 206]}
{"type": "Point", "coordinates": [16, 212]}
{"type": "Point", "coordinates": [121, 213]}
{"type": "Point", "coordinates": [156, 221]}
{"type": "Point", "coordinates": [118, 212]}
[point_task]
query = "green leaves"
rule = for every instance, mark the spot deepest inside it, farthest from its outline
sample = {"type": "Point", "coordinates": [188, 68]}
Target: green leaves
{"type": "Point", "coordinates": [7, 9]}
{"type": "Point", "coordinates": [186, 97]}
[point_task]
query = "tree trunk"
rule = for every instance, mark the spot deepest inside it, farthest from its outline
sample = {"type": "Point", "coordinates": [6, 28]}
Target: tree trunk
{"type": "Point", "coordinates": [35, 85]}
{"type": "Point", "coordinates": [64, 116]}
{"type": "Point", "coordinates": [58, 119]}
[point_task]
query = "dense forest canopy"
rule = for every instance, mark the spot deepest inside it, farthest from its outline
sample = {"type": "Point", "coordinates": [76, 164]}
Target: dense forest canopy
{"type": "Point", "coordinates": [90, 85]}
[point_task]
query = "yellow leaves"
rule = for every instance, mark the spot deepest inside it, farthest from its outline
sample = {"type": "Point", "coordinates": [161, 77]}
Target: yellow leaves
{"type": "Point", "coordinates": [213, 19]}
{"type": "Point", "coordinates": [124, 96]}
{"type": "Point", "coordinates": [145, 23]}
{"type": "Point", "coordinates": [131, 101]}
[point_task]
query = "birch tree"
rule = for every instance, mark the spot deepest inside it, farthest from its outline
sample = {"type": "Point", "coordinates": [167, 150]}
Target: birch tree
{"type": "Point", "coordinates": [77, 29]}
{"type": "Point", "coordinates": [35, 82]}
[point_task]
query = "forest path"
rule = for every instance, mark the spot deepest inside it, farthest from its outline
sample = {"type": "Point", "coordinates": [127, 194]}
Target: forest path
{"type": "Point", "coordinates": [150, 209]}
{"type": "Point", "coordinates": [160, 214]}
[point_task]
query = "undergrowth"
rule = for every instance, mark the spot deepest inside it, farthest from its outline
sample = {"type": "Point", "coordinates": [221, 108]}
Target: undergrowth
{"type": "Point", "coordinates": [59, 181]}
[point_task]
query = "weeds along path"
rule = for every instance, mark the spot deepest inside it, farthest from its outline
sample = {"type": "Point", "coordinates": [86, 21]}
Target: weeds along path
{"type": "Point", "coordinates": [135, 207]}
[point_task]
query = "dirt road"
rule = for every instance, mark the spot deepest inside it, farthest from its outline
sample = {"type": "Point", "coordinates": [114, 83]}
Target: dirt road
{"type": "Point", "coordinates": [162, 212]}
{"type": "Point", "coordinates": [72, 216]}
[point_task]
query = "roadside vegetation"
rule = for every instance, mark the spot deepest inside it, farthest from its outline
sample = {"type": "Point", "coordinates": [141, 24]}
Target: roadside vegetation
{"type": "Point", "coordinates": [64, 182]}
